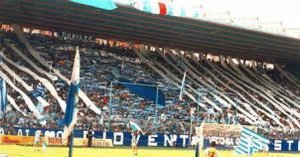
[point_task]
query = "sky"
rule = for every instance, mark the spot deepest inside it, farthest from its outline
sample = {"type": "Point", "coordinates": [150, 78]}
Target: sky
{"type": "Point", "coordinates": [268, 11]}
{"type": "Point", "coordinates": [271, 13]}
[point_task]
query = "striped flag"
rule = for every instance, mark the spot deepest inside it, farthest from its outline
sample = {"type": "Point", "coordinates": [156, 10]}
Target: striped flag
{"type": "Point", "coordinates": [102, 4]}
{"type": "Point", "coordinates": [250, 142]}
{"type": "Point", "coordinates": [3, 96]}
{"type": "Point", "coordinates": [135, 127]}
{"type": "Point", "coordinates": [71, 108]}
{"type": "Point", "coordinates": [182, 86]}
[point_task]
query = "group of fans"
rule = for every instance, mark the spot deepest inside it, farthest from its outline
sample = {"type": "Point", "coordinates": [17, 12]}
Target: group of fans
{"type": "Point", "coordinates": [104, 62]}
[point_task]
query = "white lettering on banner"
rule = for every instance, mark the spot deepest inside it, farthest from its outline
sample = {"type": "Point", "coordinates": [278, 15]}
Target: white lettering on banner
{"type": "Point", "coordinates": [298, 145]}
{"type": "Point", "coordinates": [1, 131]}
{"type": "Point", "coordinates": [237, 141]}
{"type": "Point", "coordinates": [214, 139]}
{"type": "Point", "coordinates": [121, 135]}
{"type": "Point", "coordinates": [170, 141]}
{"type": "Point", "coordinates": [84, 134]}
{"type": "Point", "coordinates": [104, 135]}
{"type": "Point", "coordinates": [50, 133]}
{"type": "Point", "coordinates": [277, 145]}
{"type": "Point", "coordinates": [229, 142]}
{"type": "Point", "coordinates": [59, 133]}
{"type": "Point", "coordinates": [290, 144]}
{"type": "Point", "coordinates": [174, 137]}
{"type": "Point", "coordinates": [151, 140]}
{"type": "Point", "coordinates": [27, 132]}
{"type": "Point", "coordinates": [184, 137]}
{"type": "Point", "coordinates": [222, 140]}
{"type": "Point", "coordinates": [20, 133]}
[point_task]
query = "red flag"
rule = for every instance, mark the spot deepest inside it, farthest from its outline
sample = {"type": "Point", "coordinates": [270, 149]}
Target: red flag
{"type": "Point", "coordinates": [162, 9]}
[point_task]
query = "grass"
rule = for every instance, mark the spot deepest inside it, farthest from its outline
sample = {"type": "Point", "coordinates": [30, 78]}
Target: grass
{"type": "Point", "coordinates": [28, 151]}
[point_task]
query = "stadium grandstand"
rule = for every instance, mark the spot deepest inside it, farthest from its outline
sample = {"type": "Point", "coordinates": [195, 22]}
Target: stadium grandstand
{"type": "Point", "coordinates": [149, 70]}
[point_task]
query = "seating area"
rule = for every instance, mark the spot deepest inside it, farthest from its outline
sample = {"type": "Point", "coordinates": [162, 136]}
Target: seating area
{"type": "Point", "coordinates": [220, 89]}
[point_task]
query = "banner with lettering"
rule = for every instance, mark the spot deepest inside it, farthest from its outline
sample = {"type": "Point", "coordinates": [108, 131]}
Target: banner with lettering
{"type": "Point", "coordinates": [155, 140]}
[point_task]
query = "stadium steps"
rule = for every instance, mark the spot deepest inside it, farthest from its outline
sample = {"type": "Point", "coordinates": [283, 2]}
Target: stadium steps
{"type": "Point", "coordinates": [44, 81]}
{"type": "Point", "coordinates": [42, 61]}
{"type": "Point", "coordinates": [26, 98]}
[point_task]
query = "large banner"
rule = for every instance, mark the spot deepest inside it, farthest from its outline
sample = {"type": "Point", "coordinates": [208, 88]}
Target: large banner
{"type": "Point", "coordinates": [118, 138]}
{"type": "Point", "coordinates": [161, 140]}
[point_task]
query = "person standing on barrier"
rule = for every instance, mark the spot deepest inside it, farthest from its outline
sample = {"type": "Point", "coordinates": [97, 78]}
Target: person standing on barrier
{"type": "Point", "coordinates": [134, 143]}
{"type": "Point", "coordinates": [89, 136]}
{"type": "Point", "coordinates": [37, 140]}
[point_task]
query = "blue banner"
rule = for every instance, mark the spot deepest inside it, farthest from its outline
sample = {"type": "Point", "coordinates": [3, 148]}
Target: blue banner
{"type": "Point", "coordinates": [145, 90]}
{"type": "Point", "coordinates": [157, 140]}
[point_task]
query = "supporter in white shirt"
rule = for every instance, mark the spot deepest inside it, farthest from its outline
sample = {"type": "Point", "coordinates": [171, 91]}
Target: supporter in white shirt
{"type": "Point", "coordinates": [37, 140]}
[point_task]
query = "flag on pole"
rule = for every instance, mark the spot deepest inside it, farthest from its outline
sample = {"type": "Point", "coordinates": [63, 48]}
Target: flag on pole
{"type": "Point", "coordinates": [102, 4]}
{"type": "Point", "coordinates": [197, 153]}
{"type": "Point", "coordinates": [182, 86]}
{"type": "Point", "coordinates": [3, 96]}
{"type": "Point", "coordinates": [250, 142]}
{"type": "Point", "coordinates": [71, 108]}
{"type": "Point", "coordinates": [135, 127]}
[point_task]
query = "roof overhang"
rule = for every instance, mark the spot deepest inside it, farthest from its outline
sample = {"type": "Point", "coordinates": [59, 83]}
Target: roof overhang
{"type": "Point", "coordinates": [129, 24]}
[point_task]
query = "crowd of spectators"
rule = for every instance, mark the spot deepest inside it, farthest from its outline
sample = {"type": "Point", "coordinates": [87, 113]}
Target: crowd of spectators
{"type": "Point", "coordinates": [103, 63]}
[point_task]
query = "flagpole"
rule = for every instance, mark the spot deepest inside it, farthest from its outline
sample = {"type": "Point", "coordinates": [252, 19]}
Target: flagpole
{"type": "Point", "coordinates": [71, 144]}
{"type": "Point", "coordinates": [156, 103]}
{"type": "Point", "coordinates": [198, 107]}
{"type": "Point", "coordinates": [191, 126]}
{"type": "Point", "coordinates": [110, 105]}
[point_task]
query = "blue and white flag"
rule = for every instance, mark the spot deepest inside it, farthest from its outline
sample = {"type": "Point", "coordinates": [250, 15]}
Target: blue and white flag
{"type": "Point", "coordinates": [102, 4]}
{"type": "Point", "coordinates": [182, 86]}
{"type": "Point", "coordinates": [39, 91]}
{"type": "Point", "coordinates": [250, 142]}
{"type": "Point", "coordinates": [71, 108]}
{"type": "Point", "coordinates": [3, 96]}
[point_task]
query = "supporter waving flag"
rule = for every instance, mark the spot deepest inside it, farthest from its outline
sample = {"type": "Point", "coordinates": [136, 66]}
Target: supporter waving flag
{"type": "Point", "coordinates": [135, 127]}
{"type": "Point", "coordinates": [71, 108]}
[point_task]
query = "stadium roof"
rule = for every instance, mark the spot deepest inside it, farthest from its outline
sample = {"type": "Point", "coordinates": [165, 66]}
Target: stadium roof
{"type": "Point", "coordinates": [128, 24]}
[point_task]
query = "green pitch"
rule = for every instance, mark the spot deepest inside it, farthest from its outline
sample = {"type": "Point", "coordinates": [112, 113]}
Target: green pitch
{"type": "Point", "coordinates": [28, 151]}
